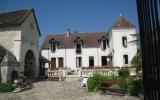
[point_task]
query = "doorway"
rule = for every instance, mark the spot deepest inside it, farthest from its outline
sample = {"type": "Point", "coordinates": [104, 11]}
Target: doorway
{"type": "Point", "coordinates": [30, 65]}
{"type": "Point", "coordinates": [53, 63]}
{"type": "Point", "coordinates": [91, 61]}
{"type": "Point", "coordinates": [60, 62]}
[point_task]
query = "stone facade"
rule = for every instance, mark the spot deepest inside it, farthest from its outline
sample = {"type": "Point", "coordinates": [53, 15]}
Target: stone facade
{"type": "Point", "coordinates": [21, 38]}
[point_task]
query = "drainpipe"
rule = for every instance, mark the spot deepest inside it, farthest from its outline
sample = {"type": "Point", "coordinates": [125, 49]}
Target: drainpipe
{"type": "Point", "coordinates": [65, 59]}
{"type": "Point", "coordinates": [49, 59]}
{"type": "Point", "coordinates": [98, 55]}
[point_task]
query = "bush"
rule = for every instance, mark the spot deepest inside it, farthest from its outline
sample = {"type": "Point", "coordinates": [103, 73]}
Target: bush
{"type": "Point", "coordinates": [136, 87]}
{"type": "Point", "coordinates": [6, 87]}
{"type": "Point", "coordinates": [93, 83]}
{"type": "Point", "coordinates": [69, 73]}
{"type": "Point", "coordinates": [124, 73]}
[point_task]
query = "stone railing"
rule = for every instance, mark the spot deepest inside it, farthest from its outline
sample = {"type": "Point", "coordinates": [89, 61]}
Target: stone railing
{"type": "Point", "coordinates": [57, 73]}
{"type": "Point", "coordinates": [114, 71]}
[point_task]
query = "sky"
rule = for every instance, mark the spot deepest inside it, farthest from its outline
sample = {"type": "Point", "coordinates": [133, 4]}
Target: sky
{"type": "Point", "coordinates": [55, 16]}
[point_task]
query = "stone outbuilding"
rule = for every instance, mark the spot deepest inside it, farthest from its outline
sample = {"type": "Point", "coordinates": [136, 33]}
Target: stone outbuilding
{"type": "Point", "coordinates": [19, 44]}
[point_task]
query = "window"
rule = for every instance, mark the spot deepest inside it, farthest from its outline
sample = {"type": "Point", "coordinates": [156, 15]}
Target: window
{"type": "Point", "coordinates": [53, 44]}
{"type": "Point", "coordinates": [91, 61]}
{"type": "Point", "coordinates": [125, 59]}
{"type": "Point", "coordinates": [78, 45]}
{"type": "Point", "coordinates": [78, 48]}
{"type": "Point", "coordinates": [103, 42]}
{"type": "Point", "coordinates": [53, 47]}
{"type": "Point", "coordinates": [104, 60]}
{"type": "Point", "coordinates": [78, 61]}
{"type": "Point", "coordinates": [124, 41]}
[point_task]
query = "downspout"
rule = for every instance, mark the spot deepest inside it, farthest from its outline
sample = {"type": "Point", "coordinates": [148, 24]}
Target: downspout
{"type": "Point", "coordinates": [49, 60]}
{"type": "Point", "coordinates": [65, 59]}
{"type": "Point", "coordinates": [98, 55]}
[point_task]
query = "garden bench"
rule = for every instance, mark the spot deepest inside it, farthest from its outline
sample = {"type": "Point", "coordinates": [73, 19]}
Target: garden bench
{"type": "Point", "coordinates": [106, 87]}
{"type": "Point", "coordinates": [53, 78]}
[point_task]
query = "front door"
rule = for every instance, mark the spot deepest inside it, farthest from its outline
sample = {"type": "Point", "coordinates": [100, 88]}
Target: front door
{"type": "Point", "coordinates": [91, 61]}
{"type": "Point", "coordinates": [60, 62]}
{"type": "Point", "coordinates": [53, 63]}
{"type": "Point", "coordinates": [104, 60]}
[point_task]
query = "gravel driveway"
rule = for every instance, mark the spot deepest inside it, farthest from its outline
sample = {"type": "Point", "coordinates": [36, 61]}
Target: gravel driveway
{"type": "Point", "coordinates": [63, 90]}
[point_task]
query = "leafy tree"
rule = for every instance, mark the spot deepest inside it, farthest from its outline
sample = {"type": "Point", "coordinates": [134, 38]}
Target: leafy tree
{"type": "Point", "coordinates": [137, 60]}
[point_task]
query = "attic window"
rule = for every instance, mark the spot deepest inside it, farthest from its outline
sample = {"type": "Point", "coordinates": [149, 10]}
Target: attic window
{"type": "Point", "coordinates": [104, 43]}
{"type": "Point", "coordinates": [78, 45]}
{"type": "Point", "coordinates": [53, 44]}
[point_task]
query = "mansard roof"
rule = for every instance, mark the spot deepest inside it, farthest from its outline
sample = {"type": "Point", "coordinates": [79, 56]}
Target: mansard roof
{"type": "Point", "coordinates": [122, 22]}
{"type": "Point", "coordinates": [90, 39]}
{"type": "Point", "coordinates": [16, 18]}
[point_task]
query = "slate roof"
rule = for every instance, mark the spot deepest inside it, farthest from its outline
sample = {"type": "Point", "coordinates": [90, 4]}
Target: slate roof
{"type": "Point", "coordinates": [3, 52]}
{"type": "Point", "coordinates": [6, 55]}
{"type": "Point", "coordinates": [43, 59]}
{"type": "Point", "coordinates": [90, 39]}
{"type": "Point", "coordinates": [122, 22]}
{"type": "Point", "coordinates": [17, 17]}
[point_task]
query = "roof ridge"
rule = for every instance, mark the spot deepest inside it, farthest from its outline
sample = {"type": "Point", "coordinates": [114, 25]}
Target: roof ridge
{"type": "Point", "coordinates": [122, 22]}
{"type": "Point", "coordinates": [11, 11]}
{"type": "Point", "coordinates": [76, 33]}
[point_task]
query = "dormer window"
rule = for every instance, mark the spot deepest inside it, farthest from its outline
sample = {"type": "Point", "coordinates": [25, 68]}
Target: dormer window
{"type": "Point", "coordinates": [124, 41]}
{"type": "Point", "coordinates": [104, 42]}
{"type": "Point", "coordinates": [53, 44]}
{"type": "Point", "coordinates": [78, 45]}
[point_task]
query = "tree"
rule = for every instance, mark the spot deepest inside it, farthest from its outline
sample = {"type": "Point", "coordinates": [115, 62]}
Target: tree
{"type": "Point", "coordinates": [137, 60]}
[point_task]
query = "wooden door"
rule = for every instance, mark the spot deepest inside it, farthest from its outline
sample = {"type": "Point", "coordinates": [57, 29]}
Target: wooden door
{"type": "Point", "coordinates": [53, 63]}
{"type": "Point", "coordinates": [60, 62]}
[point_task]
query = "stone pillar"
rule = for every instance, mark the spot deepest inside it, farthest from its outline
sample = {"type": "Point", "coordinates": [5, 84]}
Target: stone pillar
{"type": "Point", "coordinates": [5, 74]}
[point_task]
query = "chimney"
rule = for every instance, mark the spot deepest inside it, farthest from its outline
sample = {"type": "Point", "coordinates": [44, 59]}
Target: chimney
{"type": "Point", "coordinates": [67, 32]}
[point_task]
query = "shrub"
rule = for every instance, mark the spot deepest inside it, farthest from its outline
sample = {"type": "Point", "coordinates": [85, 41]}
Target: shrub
{"type": "Point", "coordinates": [69, 73]}
{"type": "Point", "coordinates": [93, 83]}
{"type": "Point", "coordinates": [6, 87]}
{"type": "Point", "coordinates": [124, 73]}
{"type": "Point", "coordinates": [136, 87]}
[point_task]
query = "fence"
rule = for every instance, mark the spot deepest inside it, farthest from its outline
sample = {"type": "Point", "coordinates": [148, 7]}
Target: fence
{"type": "Point", "coordinates": [149, 24]}
{"type": "Point", "coordinates": [57, 73]}
{"type": "Point", "coordinates": [90, 72]}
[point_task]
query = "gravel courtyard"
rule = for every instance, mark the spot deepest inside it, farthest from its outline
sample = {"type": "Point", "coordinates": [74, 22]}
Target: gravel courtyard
{"type": "Point", "coordinates": [64, 90]}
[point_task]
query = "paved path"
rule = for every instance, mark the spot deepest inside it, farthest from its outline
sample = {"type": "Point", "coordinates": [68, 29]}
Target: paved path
{"type": "Point", "coordinates": [64, 90]}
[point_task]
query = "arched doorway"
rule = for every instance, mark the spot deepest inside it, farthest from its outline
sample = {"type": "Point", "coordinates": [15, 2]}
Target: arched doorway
{"type": "Point", "coordinates": [30, 65]}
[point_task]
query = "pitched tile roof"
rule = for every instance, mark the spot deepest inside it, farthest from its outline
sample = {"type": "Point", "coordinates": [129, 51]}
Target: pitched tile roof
{"type": "Point", "coordinates": [122, 22]}
{"type": "Point", "coordinates": [17, 17]}
{"type": "Point", "coordinates": [90, 39]}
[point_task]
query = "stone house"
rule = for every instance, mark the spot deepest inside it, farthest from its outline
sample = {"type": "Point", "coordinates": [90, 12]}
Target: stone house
{"type": "Point", "coordinates": [91, 49]}
{"type": "Point", "coordinates": [19, 37]}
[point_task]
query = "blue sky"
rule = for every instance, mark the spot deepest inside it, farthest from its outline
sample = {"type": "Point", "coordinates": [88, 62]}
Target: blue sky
{"type": "Point", "coordinates": [54, 16]}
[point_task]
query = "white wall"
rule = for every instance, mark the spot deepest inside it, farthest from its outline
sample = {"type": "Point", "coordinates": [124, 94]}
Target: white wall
{"type": "Point", "coordinates": [118, 48]}
{"type": "Point", "coordinates": [69, 56]}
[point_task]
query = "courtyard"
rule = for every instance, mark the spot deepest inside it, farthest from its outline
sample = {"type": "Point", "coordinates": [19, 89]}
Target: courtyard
{"type": "Point", "coordinates": [69, 89]}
